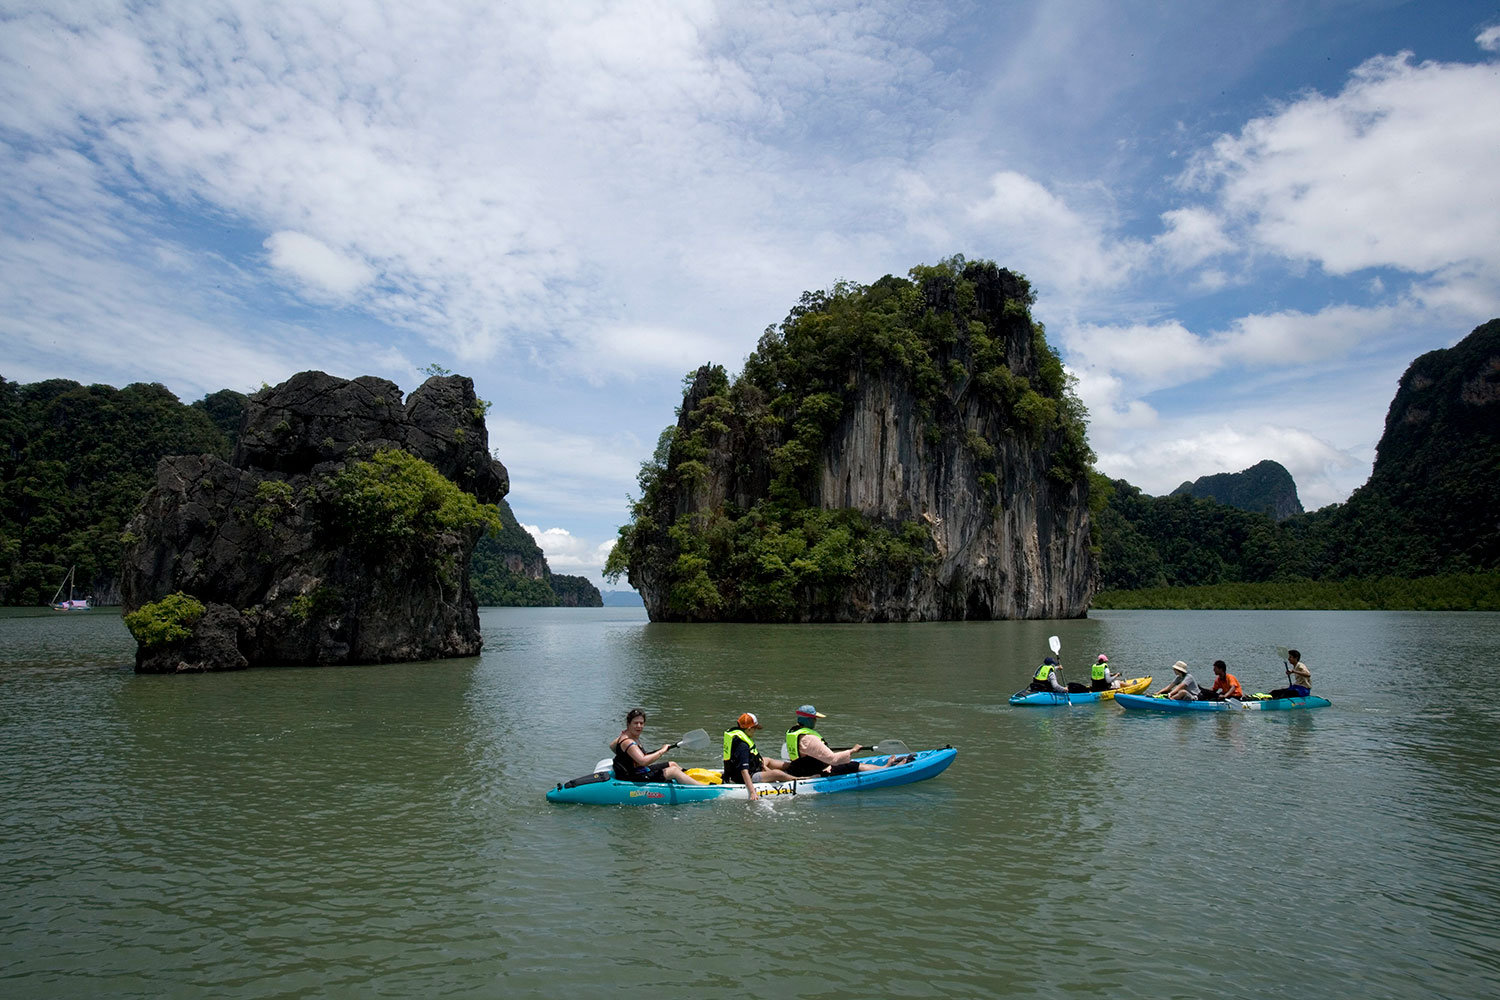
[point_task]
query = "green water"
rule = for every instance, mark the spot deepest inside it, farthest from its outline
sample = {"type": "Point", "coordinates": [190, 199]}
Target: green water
{"type": "Point", "coordinates": [382, 831]}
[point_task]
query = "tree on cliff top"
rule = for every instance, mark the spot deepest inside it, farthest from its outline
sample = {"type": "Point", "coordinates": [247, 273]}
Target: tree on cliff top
{"type": "Point", "coordinates": [728, 518]}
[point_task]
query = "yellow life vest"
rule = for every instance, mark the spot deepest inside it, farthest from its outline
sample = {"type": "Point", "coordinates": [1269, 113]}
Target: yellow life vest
{"type": "Point", "coordinates": [794, 736]}
{"type": "Point", "coordinates": [731, 736]}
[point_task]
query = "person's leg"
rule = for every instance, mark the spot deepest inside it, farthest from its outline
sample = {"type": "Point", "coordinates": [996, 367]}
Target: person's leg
{"type": "Point", "coordinates": [677, 774]}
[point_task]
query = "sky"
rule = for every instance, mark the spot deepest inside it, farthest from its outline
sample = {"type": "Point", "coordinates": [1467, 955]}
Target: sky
{"type": "Point", "coordinates": [1242, 221]}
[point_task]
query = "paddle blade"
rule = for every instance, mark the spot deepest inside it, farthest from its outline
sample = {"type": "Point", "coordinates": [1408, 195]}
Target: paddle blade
{"type": "Point", "coordinates": [695, 740]}
{"type": "Point", "coordinates": [890, 747]}
{"type": "Point", "coordinates": [1056, 644]}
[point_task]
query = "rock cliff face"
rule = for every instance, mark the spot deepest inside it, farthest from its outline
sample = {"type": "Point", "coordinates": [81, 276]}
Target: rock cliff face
{"type": "Point", "coordinates": [857, 474]}
{"type": "Point", "coordinates": [1264, 488]}
{"type": "Point", "coordinates": [290, 568]}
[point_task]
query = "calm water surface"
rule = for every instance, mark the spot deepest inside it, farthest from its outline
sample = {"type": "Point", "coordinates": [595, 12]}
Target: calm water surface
{"type": "Point", "coordinates": [382, 832]}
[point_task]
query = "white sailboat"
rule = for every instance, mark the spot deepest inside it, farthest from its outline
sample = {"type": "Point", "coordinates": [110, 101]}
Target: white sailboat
{"type": "Point", "coordinates": [71, 604]}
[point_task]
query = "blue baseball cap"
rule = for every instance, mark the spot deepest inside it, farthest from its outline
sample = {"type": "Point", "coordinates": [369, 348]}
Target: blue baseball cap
{"type": "Point", "coordinates": [808, 712]}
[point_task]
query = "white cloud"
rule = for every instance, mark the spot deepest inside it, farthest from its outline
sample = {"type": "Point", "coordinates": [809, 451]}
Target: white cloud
{"type": "Point", "coordinates": [568, 553]}
{"type": "Point", "coordinates": [1192, 236]}
{"type": "Point", "coordinates": [1394, 171]}
{"type": "Point", "coordinates": [1070, 248]}
{"type": "Point", "coordinates": [1489, 39]}
{"type": "Point", "coordinates": [315, 264]}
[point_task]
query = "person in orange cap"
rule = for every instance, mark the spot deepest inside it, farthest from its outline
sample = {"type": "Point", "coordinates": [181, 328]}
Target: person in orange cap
{"type": "Point", "coordinates": [741, 760]}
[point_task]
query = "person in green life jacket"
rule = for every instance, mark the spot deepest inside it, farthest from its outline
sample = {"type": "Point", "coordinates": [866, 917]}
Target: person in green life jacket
{"type": "Point", "coordinates": [808, 756]}
{"type": "Point", "coordinates": [1048, 678]}
{"type": "Point", "coordinates": [743, 763]}
{"type": "Point", "coordinates": [1101, 677]}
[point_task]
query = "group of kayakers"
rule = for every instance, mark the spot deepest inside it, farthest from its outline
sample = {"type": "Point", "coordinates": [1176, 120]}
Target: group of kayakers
{"type": "Point", "coordinates": [807, 756]}
{"type": "Point", "coordinates": [1183, 686]}
{"type": "Point", "coordinates": [1101, 678]}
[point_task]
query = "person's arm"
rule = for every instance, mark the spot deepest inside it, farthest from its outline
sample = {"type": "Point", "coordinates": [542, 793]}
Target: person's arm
{"type": "Point", "coordinates": [641, 757]}
{"type": "Point", "coordinates": [739, 763]}
{"type": "Point", "coordinates": [818, 750]}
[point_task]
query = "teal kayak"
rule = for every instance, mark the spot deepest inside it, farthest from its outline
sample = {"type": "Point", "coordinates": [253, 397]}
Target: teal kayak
{"type": "Point", "coordinates": [1048, 698]}
{"type": "Point", "coordinates": [1150, 704]}
{"type": "Point", "coordinates": [602, 789]}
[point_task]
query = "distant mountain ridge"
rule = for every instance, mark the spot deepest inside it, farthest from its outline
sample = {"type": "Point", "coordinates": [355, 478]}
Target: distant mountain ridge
{"type": "Point", "coordinates": [1427, 509]}
{"type": "Point", "coordinates": [1264, 488]}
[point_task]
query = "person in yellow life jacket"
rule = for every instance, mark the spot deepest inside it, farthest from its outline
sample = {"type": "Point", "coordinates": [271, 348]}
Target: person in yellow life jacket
{"type": "Point", "coordinates": [1048, 678]}
{"type": "Point", "coordinates": [1101, 678]}
{"type": "Point", "coordinates": [808, 756]}
{"type": "Point", "coordinates": [743, 763]}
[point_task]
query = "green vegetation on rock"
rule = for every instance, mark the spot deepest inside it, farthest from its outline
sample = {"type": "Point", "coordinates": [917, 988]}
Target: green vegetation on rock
{"type": "Point", "coordinates": [395, 499]}
{"type": "Point", "coordinates": [168, 620]}
{"type": "Point", "coordinates": [768, 551]}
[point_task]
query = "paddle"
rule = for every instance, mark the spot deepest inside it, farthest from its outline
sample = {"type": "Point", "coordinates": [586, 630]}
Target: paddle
{"type": "Point", "coordinates": [892, 748]}
{"type": "Point", "coordinates": [1056, 645]}
{"type": "Point", "coordinates": [695, 740]}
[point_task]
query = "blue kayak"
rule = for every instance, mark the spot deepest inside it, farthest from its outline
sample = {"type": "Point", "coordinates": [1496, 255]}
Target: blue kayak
{"type": "Point", "coordinates": [602, 789]}
{"type": "Point", "coordinates": [1151, 704]}
{"type": "Point", "coordinates": [1028, 697]}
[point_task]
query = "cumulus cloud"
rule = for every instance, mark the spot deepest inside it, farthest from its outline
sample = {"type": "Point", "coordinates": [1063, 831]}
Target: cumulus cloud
{"type": "Point", "coordinates": [1071, 248]}
{"type": "Point", "coordinates": [1393, 171]}
{"type": "Point", "coordinates": [1489, 39]}
{"type": "Point", "coordinates": [568, 553]}
{"type": "Point", "coordinates": [316, 265]}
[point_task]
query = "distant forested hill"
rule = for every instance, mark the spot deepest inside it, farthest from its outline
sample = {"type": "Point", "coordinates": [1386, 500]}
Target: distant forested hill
{"type": "Point", "coordinates": [510, 569]}
{"type": "Point", "coordinates": [1264, 488]}
{"type": "Point", "coordinates": [1427, 509]}
{"type": "Point", "coordinates": [76, 460]}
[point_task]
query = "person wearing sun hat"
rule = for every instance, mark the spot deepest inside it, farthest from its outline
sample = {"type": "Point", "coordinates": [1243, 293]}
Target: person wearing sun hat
{"type": "Point", "coordinates": [742, 762]}
{"type": "Point", "coordinates": [1184, 686]}
{"type": "Point", "coordinates": [807, 755]}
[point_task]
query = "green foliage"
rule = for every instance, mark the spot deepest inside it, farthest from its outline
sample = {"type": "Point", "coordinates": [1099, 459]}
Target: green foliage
{"type": "Point", "coordinates": [75, 462]}
{"type": "Point", "coordinates": [273, 501]}
{"type": "Point", "coordinates": [320, 603]}
{"type": "Point", "coordinates": [397, 499]}
{"type": "Point", "coordinates": [168, 620]}
{"type": "Point", "coordinates": [1458, 592]}
{"type": "Point", "coordinates": [496, 583]}
{"type": "Point", "coordinates": [773, 553]}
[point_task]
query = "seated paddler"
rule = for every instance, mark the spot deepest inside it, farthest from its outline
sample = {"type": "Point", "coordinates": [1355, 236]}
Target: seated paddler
{"type": "Point", "coordinates": [631, 761]}
{"type": "Point", "coordinates": [1048, 678]}
{"type": "Point", "coordinates": [808, 756]}
{"type": "Point", "coordinates": [743, 762]}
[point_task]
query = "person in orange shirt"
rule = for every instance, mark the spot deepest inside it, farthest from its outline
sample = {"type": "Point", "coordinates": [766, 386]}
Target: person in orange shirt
{"type": "Point", "coordinates": [1226, 685]}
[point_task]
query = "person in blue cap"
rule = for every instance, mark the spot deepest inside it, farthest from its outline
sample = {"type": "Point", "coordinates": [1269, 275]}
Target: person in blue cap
{"type": "Point", "coordinates": [808, 756]}
{"type": "Point", "coordinates": [1048, 677]}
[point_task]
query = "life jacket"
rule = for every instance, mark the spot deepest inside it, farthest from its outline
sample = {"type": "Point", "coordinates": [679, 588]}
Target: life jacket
{"type": "Point", "coordinates": [794, 736]}
{"type": "Point", "coordinates": [625, 766]}
{"type": "Point", "coordinates": [1046, 668]}
{"type": "Point", "coordinates": [1099, 671]}
{"type": "Point", "coordinates": [733, 735]}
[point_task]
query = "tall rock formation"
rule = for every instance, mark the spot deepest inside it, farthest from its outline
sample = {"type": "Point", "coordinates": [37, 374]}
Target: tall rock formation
{"type": "Point", "coordinates": [904, 451]}
{"type": "Point", "coordinates": [1264, 488]}
{"type": "Point", "coordinates": [1429, 505]}
{"type": "Point", "coordinates": [339, 532]}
